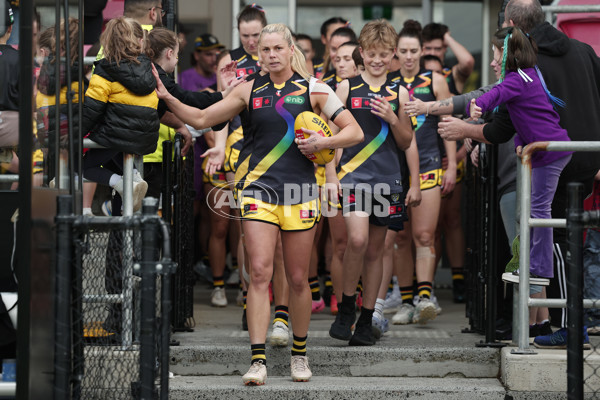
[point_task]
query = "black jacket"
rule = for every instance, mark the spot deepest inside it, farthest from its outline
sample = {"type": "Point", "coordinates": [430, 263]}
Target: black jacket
{"type": "Point", "coordinates": [9, 76]}
{"type": "Point", "coordinates": [120, 106]}
{"type": "Point", "coordinates": [571, 70]}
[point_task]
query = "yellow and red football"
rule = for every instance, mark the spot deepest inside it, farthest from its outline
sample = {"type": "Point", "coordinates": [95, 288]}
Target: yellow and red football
{"type": "Point", "coordinates": [310, 120]}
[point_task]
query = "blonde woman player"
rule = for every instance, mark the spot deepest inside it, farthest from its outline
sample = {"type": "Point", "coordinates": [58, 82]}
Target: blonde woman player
{"type": "Point", "coordinates": [277, 166]}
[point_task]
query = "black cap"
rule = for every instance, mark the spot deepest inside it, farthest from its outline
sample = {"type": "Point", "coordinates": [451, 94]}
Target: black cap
{"type": "Point", "coordinates": [207, 42]}
{"type": "Point", "coordinates": [9, 17]}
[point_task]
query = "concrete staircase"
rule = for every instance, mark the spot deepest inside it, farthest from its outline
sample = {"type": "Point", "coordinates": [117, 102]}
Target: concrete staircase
{"type": "Point", "coordinates": [435, 361]}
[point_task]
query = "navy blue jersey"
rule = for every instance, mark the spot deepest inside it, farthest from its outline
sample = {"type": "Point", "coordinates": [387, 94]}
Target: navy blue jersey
{"type": "Point", "coordinates": [247, 64]}
{"type": "Point", "coordinates": [375, 160]}
{"type": "Point", "coordinates": [276, 164]}
{"type": "Point", "coordinates": [421, 87]}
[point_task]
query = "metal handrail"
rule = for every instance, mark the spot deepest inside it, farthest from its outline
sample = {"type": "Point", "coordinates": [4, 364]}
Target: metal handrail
{"type": "Point", "coordinates": [524, 301]}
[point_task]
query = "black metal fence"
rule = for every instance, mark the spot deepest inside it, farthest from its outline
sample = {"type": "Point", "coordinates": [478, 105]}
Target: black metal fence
{"type": "Point", "coordinates": [112, 322]}
{"type": "Point", "coordinates": [178, 209]}
{"type": "Point", "coordinates": [482, 237]}
{"type": "Point", "coordinates": [583, 372]}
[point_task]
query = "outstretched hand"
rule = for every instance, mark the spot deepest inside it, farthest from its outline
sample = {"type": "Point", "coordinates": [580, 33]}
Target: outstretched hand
{"type": "Point", "coordinates": [161, 90]}
{"type": "Point", "coordinates": [415, 107]}
{"type": "Point", "coordinates": [216, 157]}
{"type": "Point", "coordinates": [228, 75]}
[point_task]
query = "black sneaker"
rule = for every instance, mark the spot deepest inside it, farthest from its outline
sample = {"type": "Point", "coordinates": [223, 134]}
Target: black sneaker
{"type": "Point", "coordinates": [363, 336]}
{"type": "Point", "coordinates": [458, 290]}
{"type": "Point", "coordinates": [546, 329]}
{"type": "Point", "coordinates": [534, 330]}
{"type": "Point", "coordinates": [342, 326]}
{"type": "Point", "coordinates": [244, 321]}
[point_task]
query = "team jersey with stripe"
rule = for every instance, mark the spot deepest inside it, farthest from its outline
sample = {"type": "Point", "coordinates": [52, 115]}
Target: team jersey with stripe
{"type": "Point", "coordinates": [375, 160]}
{"type": "Point", "coordinates": [318, 64]}
{"type": "Point", "coordinates": [241, 166]}
{"type": "Point", "coordinates": [276, 164]}
{"type": "Point", "coordinates": [247, 64]}
{"type": "Point", "coordinates": [421, 87]}
{"type": "Point", "coordinates": [447, 72]}
{"type": "Point", "coordinates": [332, 80]}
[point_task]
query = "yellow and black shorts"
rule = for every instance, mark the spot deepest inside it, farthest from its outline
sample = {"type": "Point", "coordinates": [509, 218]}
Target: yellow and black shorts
{"type": "Point", "coordinates": [233, 146]}
{"type": "Point", "coordinates": [320, 175]}
{"type": "Point", "coordinates": [431, 179]}
{"type": "Point", "coordinates": [231, 159]}
{"type": "Point", "coordinates": [296, 217]}
{"type": "Point", "coordinates": [383, 210]}
{"type": "Point", "coordinates": [461, 170]}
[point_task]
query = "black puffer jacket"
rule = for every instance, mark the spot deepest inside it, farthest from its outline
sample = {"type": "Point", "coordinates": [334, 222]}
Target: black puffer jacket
{"type": "Point", "coordinates": [46, 102]}
{"type": "Point", "coordinates": [120, 106]}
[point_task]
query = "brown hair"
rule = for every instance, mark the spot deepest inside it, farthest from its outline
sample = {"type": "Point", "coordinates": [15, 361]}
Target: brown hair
{"type": "Point", "coordinates": [252, 12]}
{"type": "Point", "coordinates": [159, 40]}
{"type": "Point", "coordinates": [521, 50]}
{"type": "Point", "coordinates": [343, 31]}
{"type": "Point", "coordinates": [434, 31]}
{"type": "Point", "coordinates": [46, 39]}
{"type": "Point", "coordinates": [73, 39]}
{"type": "Point", "coordinates": [412, 29]}
{"type": "Point", "coordinates": [121, 40]}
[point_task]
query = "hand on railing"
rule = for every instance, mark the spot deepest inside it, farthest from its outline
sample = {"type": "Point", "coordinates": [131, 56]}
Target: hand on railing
{"type": "Point", "coordinates": [519, 151]}
{"type": "Point", "coordinates": [187, 139]}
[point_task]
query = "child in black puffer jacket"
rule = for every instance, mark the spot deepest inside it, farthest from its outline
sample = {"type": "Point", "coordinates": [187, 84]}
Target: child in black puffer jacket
{"type": "Point", "coordinates": [120, 106]}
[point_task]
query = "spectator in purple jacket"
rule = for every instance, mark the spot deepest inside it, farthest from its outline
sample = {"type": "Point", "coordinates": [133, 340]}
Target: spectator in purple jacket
{"type": "Point", "coordinates": [529, 104]}
{"type": "Point", "coordinates": [204, 72]}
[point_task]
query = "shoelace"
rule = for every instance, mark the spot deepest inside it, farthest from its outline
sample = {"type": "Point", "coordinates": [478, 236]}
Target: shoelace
{"type": "Point", "coordinates": [299, 363]}
{"type": "Point", "coordinates": [255, 367]}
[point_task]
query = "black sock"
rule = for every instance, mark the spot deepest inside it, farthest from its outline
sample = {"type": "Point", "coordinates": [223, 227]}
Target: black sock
{"type": "Point", "coordinates": [347, 305]}
{"type": "Point", "coordinates": [299, 346]}
{"type": "Point", "coordinates": [366, 317]}
{"type": "Point", "coordinates": [258, 353]}
{"type": "Point", "coordinates": [314, 288]}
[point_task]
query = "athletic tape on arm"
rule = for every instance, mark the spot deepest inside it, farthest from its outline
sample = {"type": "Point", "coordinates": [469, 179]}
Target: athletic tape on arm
{"type": "Point", "coordinates": [333, 103]}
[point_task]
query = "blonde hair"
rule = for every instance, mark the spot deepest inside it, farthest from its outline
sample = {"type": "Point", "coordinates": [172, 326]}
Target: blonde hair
{"type": "Point", "coordinates": [121, 40]}
{"type": "Point", "coordinates": [159, 40]}
{"type": "Point", "coordinates": [378, 32]}
{"type": "Point", "coordinates": [298, 62]}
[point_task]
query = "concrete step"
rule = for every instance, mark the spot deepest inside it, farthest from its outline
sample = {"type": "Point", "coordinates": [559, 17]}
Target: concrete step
{"type": "Point", "coordinates": [327, 388]}
{"type": "Point", "coordinates": [342, 361]}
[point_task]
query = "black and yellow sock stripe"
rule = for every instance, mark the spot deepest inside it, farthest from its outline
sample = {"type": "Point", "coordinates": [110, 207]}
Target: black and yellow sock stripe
{"type": "Point", "coordinates": [218, 281]}
{"type": "Point", "coordinates": [458, 273]}
{"type": "Point", "coordinates": [258, 353]}
{"type": "Point", "coordinates": [281, 314]}
{"type": "Point", "coordinates": [299, 346]}
{"type": "Point", "coordinates": [245, 294]}
{"type": "Point", "coordinates": [425, 289]}
{"type": "Point", "coordinates": [407, 294]}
